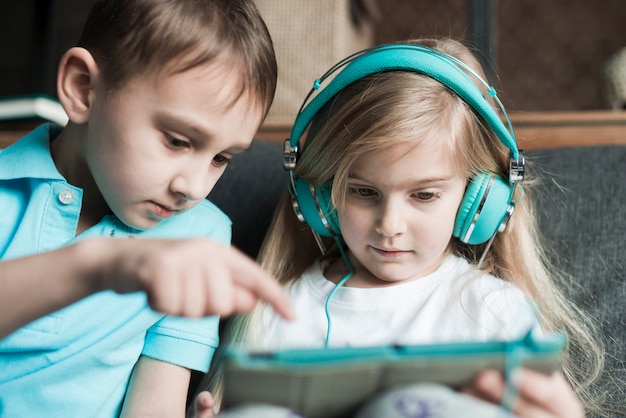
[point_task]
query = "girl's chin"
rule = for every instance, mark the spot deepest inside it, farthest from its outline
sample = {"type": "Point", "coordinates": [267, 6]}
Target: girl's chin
{"type": "Point", "coordinates": [378, 279]}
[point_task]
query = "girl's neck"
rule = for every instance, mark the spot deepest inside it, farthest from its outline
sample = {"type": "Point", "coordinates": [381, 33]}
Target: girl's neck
{"type": "Point", "coordinates": [363, 278]}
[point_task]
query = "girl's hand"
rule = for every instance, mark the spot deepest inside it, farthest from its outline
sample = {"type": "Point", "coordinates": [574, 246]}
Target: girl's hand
{"type": "Point", "coordinates": [538, 395]}
{"type": "Point", "coordinates": [203, 406]}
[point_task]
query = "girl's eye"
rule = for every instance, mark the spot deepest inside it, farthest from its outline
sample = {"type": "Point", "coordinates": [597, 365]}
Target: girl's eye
{"type": "Point", "coordinates": [361, 191]}
{"type": "Point", "coordinates": [426, 196]}
{"type": "Point", "coordinates": [220, 160]}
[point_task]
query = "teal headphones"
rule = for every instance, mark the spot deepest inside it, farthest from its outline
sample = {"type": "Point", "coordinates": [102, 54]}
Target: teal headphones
{"type": "Point", "coordinates": [488, 201]}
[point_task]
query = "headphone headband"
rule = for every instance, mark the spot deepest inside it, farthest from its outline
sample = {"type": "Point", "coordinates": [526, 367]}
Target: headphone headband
{"type": "Point", "coordinates": [407, 57]}
{"type": "Point", "coordinates": [487, 203]}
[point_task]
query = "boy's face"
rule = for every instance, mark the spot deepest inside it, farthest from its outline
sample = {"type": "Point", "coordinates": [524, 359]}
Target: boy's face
{"type": "Point", "coordinates": [157, 146]}
{"type": "Point", "coordinates": [399, 212]}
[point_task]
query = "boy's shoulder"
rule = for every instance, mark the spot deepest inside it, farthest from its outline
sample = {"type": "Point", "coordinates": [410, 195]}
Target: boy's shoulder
{"type": "Point", "coordinates": [208, 210]}
{"type": "Point", "coordinates": [203, 220]}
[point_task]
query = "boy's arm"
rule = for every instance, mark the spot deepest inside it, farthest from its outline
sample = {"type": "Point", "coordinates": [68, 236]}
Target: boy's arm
{"type": "Point", "coordinates": [191, 277]}
{"type": "Point", "coordinates": [156, 389]}
{"type": "Point", "coordinates": [34, 286]}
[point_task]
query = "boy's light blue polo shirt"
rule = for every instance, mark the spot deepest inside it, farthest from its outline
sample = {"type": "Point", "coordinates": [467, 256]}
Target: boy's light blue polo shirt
{"type": "Point", "coordinates": [77, 361]}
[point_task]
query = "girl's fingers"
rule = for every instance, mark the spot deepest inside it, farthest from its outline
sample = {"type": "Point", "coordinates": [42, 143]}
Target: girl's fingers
{"type": "Point", "coordinates": [537, 395]}
{"type": "Point", "coordinates": [549, 393]}
{"type": "Point", "coordinates": [203, 405]}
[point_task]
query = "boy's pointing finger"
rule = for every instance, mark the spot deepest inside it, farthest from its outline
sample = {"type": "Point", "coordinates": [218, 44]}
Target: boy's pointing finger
{"type": "Point", "coordinates": [249, 275]}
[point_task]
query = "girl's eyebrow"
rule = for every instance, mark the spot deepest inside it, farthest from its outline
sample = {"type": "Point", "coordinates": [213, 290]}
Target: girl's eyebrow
{"type": "Point", "coordinates": [411, 182]}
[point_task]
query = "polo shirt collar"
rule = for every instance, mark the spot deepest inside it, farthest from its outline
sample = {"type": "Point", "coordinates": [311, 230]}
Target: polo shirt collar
{"type": "Point", "coordinates": [30, 156]}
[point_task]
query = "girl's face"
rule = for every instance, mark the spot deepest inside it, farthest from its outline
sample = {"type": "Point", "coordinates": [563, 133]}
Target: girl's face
{"type": "Point", "coordinates": [156, 147]}
{"type": "Point", "coordinates": [399, 212]}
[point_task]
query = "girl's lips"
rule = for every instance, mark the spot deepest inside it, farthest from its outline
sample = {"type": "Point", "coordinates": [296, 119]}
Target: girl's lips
{"type": "Point", "coordinates": [389, 252]}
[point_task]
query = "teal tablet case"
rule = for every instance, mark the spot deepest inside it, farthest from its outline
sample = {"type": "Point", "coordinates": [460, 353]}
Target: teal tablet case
{"type": "Point", "coordinates": [333, 382]}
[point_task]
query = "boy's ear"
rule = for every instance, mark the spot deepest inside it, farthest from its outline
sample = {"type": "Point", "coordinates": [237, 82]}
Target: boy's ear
{"type": "Point", "coordinates": [78, 72]}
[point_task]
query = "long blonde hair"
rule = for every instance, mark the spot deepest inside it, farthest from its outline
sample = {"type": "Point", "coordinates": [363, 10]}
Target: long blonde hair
{"type": "Point", "coordinates": [394, 106]}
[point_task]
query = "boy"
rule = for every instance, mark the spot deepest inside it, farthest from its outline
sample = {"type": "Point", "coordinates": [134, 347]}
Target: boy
{"type": "Point", "coordinates": [160, 96]}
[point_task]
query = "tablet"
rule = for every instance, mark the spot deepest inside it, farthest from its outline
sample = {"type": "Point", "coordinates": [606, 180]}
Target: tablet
{"type": "Point", "coordinates": [333, 382]}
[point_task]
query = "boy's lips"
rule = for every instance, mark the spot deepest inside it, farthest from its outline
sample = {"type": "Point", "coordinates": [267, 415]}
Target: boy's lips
{"type": "Point", "coordinates": [161, 211]}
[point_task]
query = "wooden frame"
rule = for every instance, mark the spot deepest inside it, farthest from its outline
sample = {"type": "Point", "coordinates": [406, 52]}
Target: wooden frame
{"type": "Point", "coordinates": [535, 129]}
{"type": "Point", "coordinates": [532, 129]}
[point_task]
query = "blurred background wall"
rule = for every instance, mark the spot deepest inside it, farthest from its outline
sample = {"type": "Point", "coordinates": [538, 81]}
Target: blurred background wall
{"type": "Point", "coordinates": [548, 55]}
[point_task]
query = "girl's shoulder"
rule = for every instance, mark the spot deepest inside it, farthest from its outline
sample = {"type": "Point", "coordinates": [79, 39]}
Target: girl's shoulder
{"type": "Point", "coordinates": [470, 275]}
{"type": "Point", "coordinates": [503, 310]}
{"type": "Point", "coordinates": [474, 284]}
{"type": "Point", "coordinates": [312, 281]}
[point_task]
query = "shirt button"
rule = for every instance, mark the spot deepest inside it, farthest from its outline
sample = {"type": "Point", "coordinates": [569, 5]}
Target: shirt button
{"type": "Point", "coordinates": [66, 196]}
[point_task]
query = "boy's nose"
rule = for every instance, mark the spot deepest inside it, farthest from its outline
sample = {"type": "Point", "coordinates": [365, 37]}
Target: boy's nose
{"type": "Point", "coordinates": [194, 185]}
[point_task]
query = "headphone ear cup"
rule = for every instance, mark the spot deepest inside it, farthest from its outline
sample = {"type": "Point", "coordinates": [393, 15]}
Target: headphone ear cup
{"type": "Point", "coordinates": [315, 205]}
{"type": "Point", "coordinates": [483, 209]}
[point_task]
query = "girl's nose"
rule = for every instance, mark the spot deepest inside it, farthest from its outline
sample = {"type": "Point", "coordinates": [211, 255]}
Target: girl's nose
{"type": "Point", "coordinates": [391, 221]}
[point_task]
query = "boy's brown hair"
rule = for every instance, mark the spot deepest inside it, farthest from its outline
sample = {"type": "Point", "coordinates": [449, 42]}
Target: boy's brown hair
{"type": "Point", "coordinates": [130, 38]}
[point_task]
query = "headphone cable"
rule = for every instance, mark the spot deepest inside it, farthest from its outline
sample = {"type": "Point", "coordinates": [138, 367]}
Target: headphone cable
{"type": "Point", "coordinates": [337, 286]}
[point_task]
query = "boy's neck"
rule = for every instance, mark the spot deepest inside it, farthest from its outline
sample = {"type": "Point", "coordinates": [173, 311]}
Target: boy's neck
{"type": "Point", "coordinates": [68, 156]}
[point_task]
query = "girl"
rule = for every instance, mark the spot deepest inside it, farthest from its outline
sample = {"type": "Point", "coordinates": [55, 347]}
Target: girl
{"type": "Point", "coordinates": [407, 177]}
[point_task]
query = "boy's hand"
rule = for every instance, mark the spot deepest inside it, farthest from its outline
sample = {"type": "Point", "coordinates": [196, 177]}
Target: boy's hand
{"type": "Point", "coordinates": [538, 395]}
{"type": "Point", "coordinates": [187, 277]}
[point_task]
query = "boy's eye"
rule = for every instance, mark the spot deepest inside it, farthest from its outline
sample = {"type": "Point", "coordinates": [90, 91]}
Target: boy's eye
{"type": "Point", "coordinates": [220, 160]}
{"type": "Point", "coordinates": [176, 142]}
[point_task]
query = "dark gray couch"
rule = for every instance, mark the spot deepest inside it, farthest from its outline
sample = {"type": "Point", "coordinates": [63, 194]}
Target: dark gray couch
{"type": "Point", "coordinates": [582, 213]}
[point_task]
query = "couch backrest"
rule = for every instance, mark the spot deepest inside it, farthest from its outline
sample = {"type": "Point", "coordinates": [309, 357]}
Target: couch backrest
{"type": "Point", "coordinates": [249, 191]}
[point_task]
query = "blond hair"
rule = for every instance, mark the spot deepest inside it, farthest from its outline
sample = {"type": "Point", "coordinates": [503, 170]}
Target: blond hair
{"type": "Point", "coordinates": [400, 106]}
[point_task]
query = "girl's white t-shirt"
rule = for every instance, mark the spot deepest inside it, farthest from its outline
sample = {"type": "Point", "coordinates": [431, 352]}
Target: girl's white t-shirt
{"type": "Point", "coordinates": [453, 304]}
